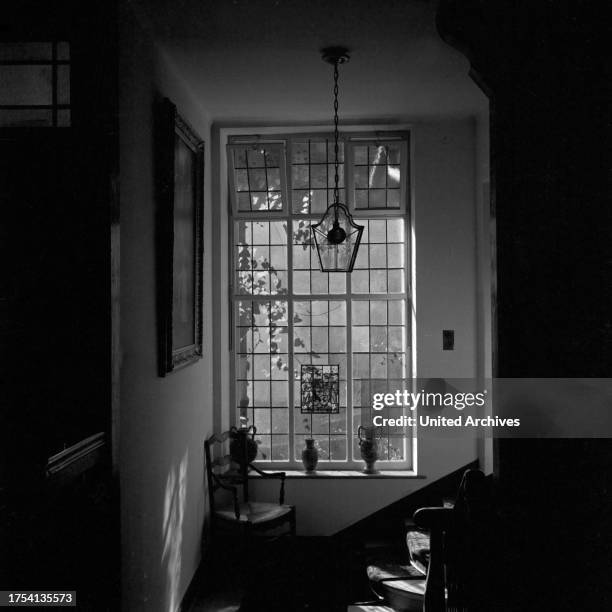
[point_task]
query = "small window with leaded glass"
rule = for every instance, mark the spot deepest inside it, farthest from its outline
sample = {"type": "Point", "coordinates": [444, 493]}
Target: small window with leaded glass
{"type": "Point", "coordinates": [35, 90]}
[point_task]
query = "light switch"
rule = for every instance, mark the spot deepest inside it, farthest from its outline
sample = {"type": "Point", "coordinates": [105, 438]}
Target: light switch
{"type": "Point", "coordinates": [448, 339]}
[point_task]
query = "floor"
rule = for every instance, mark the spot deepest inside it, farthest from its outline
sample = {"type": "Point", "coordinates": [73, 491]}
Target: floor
{"type": "Point", "coordinates": [321, 574]}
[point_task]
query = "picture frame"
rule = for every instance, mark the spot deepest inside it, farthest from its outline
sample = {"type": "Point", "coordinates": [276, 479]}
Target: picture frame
{"type": "Point", "coordinates": [180, 242]}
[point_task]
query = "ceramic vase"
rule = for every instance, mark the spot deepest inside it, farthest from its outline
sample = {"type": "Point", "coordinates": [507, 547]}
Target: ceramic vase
{"type": "Point", "coordinates": [310, 456]}
{"type": "Point", "coordinates": [368, 445]}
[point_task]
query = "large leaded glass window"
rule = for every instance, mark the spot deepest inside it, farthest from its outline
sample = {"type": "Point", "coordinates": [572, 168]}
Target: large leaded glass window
{"type": "Point", "coordinates": [287, 314]}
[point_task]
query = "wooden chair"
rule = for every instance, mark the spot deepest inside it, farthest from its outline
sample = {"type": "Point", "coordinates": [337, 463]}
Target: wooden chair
{"type": "Point", "coordinates": [241, 517]}
{"type": "Point", "coordinates": [449, 561]}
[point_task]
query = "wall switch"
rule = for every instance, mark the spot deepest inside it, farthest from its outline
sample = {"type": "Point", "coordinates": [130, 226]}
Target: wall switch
{"type": "Point", "coordinates": [448, 339]}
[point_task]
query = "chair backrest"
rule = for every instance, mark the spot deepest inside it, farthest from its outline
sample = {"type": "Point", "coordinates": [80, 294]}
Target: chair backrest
{"type": "Point", "coordinates": [221, 467]}
{"type": "Point", "coordinates": [459, 538]}
{"type": "Point", "coordinates": [466, 541]}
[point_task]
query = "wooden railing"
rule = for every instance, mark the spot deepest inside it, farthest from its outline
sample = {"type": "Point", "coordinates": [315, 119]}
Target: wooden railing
{"type": "Point", "coordinates": [67, 465]}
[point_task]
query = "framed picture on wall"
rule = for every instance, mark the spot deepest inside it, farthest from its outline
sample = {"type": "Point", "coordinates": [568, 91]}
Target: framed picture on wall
{"type": "Point", "coordinates": [180, 208]}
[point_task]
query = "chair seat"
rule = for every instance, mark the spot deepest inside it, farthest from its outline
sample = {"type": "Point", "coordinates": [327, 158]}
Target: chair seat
{"type": "Point", "coordinates": [418, 547]}
{"type": "Point", "coordinates": [403, 595]}
{"type": "Point", "coordinates": [411, 589]}
{"type": "Point", "coordinates": [254, 512]}
{"type": "Point", "coordinates": [399, 584]}
{"type": "Point", "coordinates": [390, 570]}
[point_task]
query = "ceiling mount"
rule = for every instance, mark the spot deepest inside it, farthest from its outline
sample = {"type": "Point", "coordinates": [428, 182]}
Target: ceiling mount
{"type": "Point", "coordinates": [335, 55]}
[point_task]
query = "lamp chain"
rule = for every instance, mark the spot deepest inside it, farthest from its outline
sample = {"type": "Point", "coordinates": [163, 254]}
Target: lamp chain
{"type": "Point", "coordinates": [336, 137]}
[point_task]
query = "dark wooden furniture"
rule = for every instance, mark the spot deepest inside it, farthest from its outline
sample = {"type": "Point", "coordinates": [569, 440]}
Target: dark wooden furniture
{"type": "Point", "coordinates": [449, 566]}
{"type": "Point", "coordinates": [237, 513]}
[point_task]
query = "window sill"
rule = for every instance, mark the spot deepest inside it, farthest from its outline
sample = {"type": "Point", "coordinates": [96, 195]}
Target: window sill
{"type": "Point", "coordinates": [325, 474]}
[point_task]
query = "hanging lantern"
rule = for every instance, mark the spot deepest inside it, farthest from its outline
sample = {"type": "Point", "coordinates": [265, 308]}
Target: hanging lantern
{"type": "Point", "coordinates": [336, 236]}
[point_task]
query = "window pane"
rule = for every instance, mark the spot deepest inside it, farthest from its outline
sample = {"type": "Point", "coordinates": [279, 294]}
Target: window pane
{"type": "Point", "coordinates": [320, 343]}
{"type": "Point", "coordinates": [274, 180]}
{"type": "Point", "coordinates": [255, 156]}
{"type": "Point", "coordinates": [280, 421]}
{"type": "Point", "coordinates": [257, 173]}
{"type": "Point", "coordinates": [26, 117]}
{"type": "Point", "coordinates": [280, 448]}
{"type": "Point", "coordinates": [318, 176]}
{"type": "Point", "coordinates": [25, 85]}
{"type": "Point", "coordinates": [329, 431]}
{"type": "Point", "coordinates": [381, 264]}
{"type": "Point", "coordinates": [299, 153]}
{"type": "Point", "coordinates": [264, 450]}
{"type": "Point", "coordinates": [260, 257]}
{"type": "Point", "coordinates": [299, 177]}
{"type": "Point", "coordinates": [377, 176]}
{"type": "Point", "coordinates": [313, 175]}
{"type": "Point", "coordinates": [307, 277]}
{"type": "Point", "coordinates": [63, 51]}
{"type": "Point", "coordinates": [337, 448]}
{"type": "Point", "coordinates": [63, 84]}
{"type": "Point", "coordinates": [261, 360]}
{"type": "Point", "coordinates": [278, 232]}
{"type": "Point", "coordinates": [379, 363]}
{"type": "Point", "coordinates": [25, 51]}
{"type": "Point", "coordinates": [262, 420]}
{"type": "Point", "coordinates": [27, 72]}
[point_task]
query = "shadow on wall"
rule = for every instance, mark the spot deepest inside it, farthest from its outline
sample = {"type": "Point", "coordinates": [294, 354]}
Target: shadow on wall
{"type": "Point", "coordinates": [172, 531]}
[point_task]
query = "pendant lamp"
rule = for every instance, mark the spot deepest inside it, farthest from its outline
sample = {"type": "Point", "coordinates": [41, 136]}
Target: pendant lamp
{"type": "Point", "coordinates": [336, 235]}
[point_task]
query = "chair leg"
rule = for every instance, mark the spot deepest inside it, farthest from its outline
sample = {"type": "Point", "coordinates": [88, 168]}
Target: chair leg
{"type": "Point", "coordinates": [293, 523]}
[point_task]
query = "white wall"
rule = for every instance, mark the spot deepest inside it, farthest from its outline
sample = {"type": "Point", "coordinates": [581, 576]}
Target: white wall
{"type": "Point", "coordinates": [444, 223]}
{"type": "Point", "coordinates": [162, 421]}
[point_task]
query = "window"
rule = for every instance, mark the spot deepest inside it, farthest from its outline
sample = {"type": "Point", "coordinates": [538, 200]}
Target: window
{"type": "Point", "coordinates": [35, 79]}
{"type": "Point", "coordinates": [287, 314]}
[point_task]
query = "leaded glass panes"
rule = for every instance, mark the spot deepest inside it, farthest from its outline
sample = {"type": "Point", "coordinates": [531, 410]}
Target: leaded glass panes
{"type": "Point", "coordinates": [257, 176]}
{"type": "Point", "coordinates": [260, 257]}
{"type": "Point", "coordinates": [377, 176]}
{"type": "Point", "coordinates": [288, 314]}
{"type": "Point", "coordinates": [307, 277]}
{"type": "Point", "coordinates": [262, 373]}
{"type": "Point", "coordinates": [35, 79]}
{"type": "Point", "coordinates": [380, 266]}
{"type": "Point", "coordinates": [380, 345]}
{"type": "Point", "coordinates": [320, 338]}
{"type": "Point", "coordinates": [312, 175]}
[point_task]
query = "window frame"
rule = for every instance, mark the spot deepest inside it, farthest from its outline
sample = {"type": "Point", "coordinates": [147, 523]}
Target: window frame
{"type": "Point", "coordinates": [54, 62]}
{"type": "Point", "coordinates": [351, 137]}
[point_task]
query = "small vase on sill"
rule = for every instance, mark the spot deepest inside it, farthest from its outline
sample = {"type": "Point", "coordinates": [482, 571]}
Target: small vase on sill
{"type": "Point", "coordinates": [310, 456]}
{"type": "Point", "coordinates": [368, 445]}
